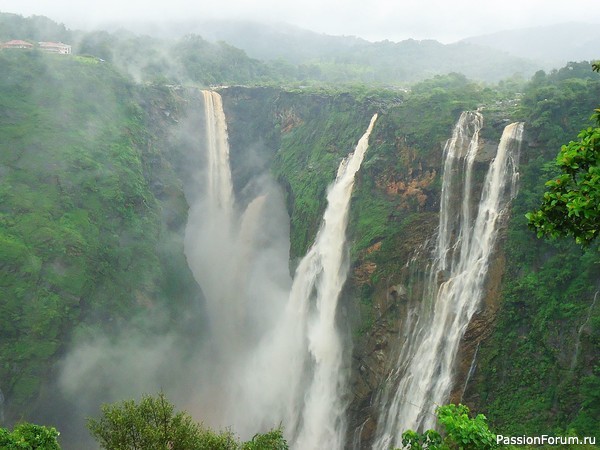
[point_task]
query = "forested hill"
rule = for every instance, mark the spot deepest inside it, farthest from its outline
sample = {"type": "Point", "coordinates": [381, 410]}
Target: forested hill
{"type": "Point", "coordinates": [348, 58]}
{"type": "Point", "coordinates": [550, 46]}
{"type": "Point", "coordinates": [244, 54]}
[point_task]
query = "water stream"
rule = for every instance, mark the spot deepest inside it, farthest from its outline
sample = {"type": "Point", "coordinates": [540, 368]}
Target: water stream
{"type": "Point", "coordinates": [465, 243]}
{"type": "Point", "coordinates": [279, 361]}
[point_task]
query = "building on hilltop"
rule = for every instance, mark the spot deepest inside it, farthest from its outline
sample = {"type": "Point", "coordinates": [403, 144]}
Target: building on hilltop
{"type": "Point", "coordinates": [55, 47]}
{"type": "Point", "coordinates": [50, 47]}
{"type": "Point", "coordinates": [16, 44]}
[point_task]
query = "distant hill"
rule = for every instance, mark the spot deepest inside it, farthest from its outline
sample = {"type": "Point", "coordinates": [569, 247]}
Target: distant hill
{"type": "Point", "coordinates": [350, 57]}
{"type": "Point", "coordinates": [234, 52]}
{"type": "Point", "coordinates": [551, 46]}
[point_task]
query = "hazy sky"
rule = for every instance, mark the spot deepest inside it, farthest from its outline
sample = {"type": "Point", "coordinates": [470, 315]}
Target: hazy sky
{"type": "Point", "coordinates": [444, 20]}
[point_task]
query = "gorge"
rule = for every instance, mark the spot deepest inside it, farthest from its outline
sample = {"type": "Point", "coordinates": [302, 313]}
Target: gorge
{"type": "Point", "coordinates": [297, 257]}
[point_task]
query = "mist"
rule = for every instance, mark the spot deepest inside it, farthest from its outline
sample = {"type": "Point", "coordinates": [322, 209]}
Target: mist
{"type": "Point", "coordinates": [134, 154]}
{"type": "Point", "coordinates": [239, 255]}
{"type": "Point", "coordinates": [381, 20]}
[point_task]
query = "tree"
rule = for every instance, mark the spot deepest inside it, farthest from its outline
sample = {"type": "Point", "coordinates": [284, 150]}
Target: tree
{"type": "Point", "coordinates": [459, 432]}
{"type": "Point", "coordinates": [153, 424]}
{"type": "Point", "coordinates": [571, 203]}
{"type": "Point", "coordinates": [27, 436]}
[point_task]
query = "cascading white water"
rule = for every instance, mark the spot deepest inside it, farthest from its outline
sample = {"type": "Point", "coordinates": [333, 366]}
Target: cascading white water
{"type": "Point", "coordinates": [465, 243]}
{"type": "Point", "coordinates": [210, 223]}
{"type": "Point", "coordinates": [290, 370]}
{"type": "Point", "coordinates": [298, 369]}
{"type": "Point", "coordinates": [320, 278]}
{"type": "Point", "coordinates": [219, 185]}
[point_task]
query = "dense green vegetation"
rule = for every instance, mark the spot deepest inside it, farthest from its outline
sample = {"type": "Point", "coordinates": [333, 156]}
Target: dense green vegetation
{"type": "Point", "coordinates": [395, 207]}
{"type": "Point", "coordinates": [152, 423]}
{"type": "Point", "coordinates": [320, 132]}
{"type": "Point", "coordinates": [316, 128]}
{"type": "Point", "coordinates": [81, 231]}
{"type": "Point", "coordinates": [459, 431]}
{"type": "Point", "coordinates": [27, 436]}
{"type": "Point", "coordinates": [570, 204]}
{"type": "Point", "coordinates": [540, 371]}
{"type": "Point", "coordinates": [90, 206]}
{"type": "Point", "coordinates": [394, 211]}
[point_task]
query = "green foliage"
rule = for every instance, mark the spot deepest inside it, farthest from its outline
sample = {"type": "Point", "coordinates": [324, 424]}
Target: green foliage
{"type": "Point", "coordinates": [272, 440]}
{"type": "Point", "coordinates": [153, 424]}
{"type": "Point", "coordinates": [34, 28]}
{"type": "Point", "coordinates": [27, 436]}
{"type": "Point", "coordinates": [433, 106]}
{"type": "Point", "coordinates": [430, 439]}
{"type": "Point", "coordinates": [317, 132]}
{"type": "Point", "coordinates": [570, 206]}
{"type": "Point", "coordinates": [546, 334]}
{"type": "Point", "coordinates": [555, 105]}
{"type": "Point", "coordinates": [459, 432]}
{"type": "Point", "coordinates": [463, 431]}
{"type": "Point", "coordinates": [80, 223]}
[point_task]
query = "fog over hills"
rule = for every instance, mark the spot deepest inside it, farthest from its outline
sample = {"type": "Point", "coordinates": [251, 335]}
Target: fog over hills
{"type": "Point", "coordinates": [330, 58]}
{"type": "Point", "coordinates": [544, 47]}
{"type": "Point", "coordinates": [551, 45]}
{"type": "Point", "coordinates": [382, 61]}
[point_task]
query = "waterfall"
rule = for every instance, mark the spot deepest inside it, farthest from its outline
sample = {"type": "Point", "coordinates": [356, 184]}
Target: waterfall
{"type": "Point", "coordinates": [579, 332]}
{"type": "Point", "coordinates": [276, 355]}
{"type": "Point", "coordinates": [209, 231]}
{"type": "Point", "coordinates": [470, 373]}
{"type": "Point", "coordinates": [319, 279]}
{"type": "Point", "coordinates": [422, 379]}
{"type": "Point", "coordinates": [220, 189]}
{"type": "Point", "coordinates": [297, 371]}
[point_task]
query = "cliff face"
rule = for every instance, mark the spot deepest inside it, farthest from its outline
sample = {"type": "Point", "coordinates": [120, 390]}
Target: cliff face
{"type": "Point", "coordinates": [91, 210]}
{"type": "Point", "coordinates": [394, 216]}
{"type": "Point", "coordinates": [539, 304]}
{"type": "Point", "coordinates": [397, 293]}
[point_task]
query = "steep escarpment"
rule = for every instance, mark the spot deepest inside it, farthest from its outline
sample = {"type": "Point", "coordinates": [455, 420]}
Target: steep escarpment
{"type": "Point", "coordinates": [395, 204]}
{"type": "Point", "coordinates": [300, 138]}
{"type": "Point", "coordinates": [538, 367]}
{"type": "Point", "coordinates": [402, 297]}
{"type": "Point", "coordinates": [90, 211]}
{"type": "Point", "coordinates": [394, 220]}
{"type": "Point", "coordinates": [93, 173]}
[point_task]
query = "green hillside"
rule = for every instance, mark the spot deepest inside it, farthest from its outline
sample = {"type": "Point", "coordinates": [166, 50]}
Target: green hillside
{"type": "Point", "coordinates": [81, 224]}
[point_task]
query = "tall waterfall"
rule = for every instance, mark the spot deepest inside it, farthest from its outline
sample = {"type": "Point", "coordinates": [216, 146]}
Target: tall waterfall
{"type": "Point", "coordinates": [298, 370]}
{"type": "Point", "coordinates": [319, 279]}
{"type": "Point", "coordinates": [278, 354]}
{"type": "Point", "coordinates": [465, 243]}
{"type": "Point", "coordinates": [209, 231]}
{"type": "Point", "coordinates": [220, 189]}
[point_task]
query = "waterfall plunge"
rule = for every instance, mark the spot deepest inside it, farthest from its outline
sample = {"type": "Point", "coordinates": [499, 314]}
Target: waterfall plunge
{"type": "Point", "coordinates": [239, 257]}
{"type": "Point", "coordinates": [297, 370]}
{"type": "Point", "coordinates": [291, 372]}
{"type": "Point", "coordinates": [323, 271]}
{"type": "Point", "coordinates": [465, 243]}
